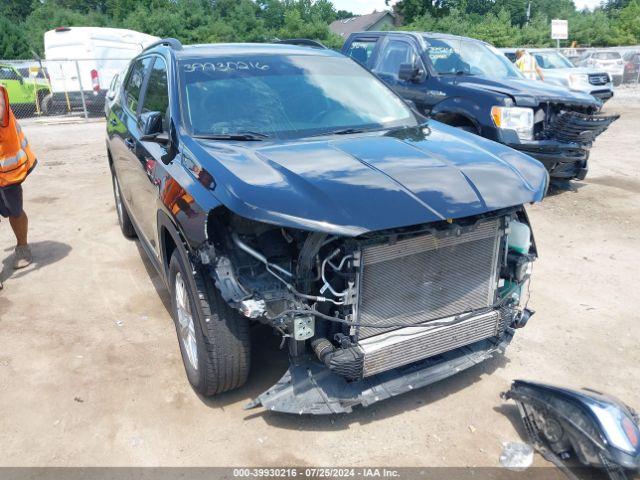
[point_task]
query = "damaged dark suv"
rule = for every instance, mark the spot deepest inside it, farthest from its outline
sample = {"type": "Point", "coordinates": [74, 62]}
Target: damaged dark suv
{"type": "Point", "coordinates": [287, 185]}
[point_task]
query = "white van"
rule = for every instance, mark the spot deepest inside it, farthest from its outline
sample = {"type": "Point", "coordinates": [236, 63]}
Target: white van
{"type": "Point", "coordinates": [86, 59]}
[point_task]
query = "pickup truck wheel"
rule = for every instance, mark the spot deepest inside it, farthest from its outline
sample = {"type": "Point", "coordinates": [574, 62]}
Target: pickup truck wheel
{"type": "Point", "coordinates": [216, 362]}
{"type": "Point", "coordinates": [123, 216]}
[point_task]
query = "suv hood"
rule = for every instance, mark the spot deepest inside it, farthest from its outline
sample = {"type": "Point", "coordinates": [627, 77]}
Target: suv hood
{"type": "Point", "coordinates": [526, 93]}
{"type": "Point", "coordinates": [367, 182]}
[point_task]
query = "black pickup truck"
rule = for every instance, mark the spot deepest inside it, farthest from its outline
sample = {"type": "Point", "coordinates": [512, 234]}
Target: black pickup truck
{"type": "Point", "coordinates": [469, 84]}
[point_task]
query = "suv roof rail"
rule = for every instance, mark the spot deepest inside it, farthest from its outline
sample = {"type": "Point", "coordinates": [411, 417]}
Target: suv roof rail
{"type": "Point", "coordinates": [302, 42]}
{"type": "Point", "coordinates": [167, 42]}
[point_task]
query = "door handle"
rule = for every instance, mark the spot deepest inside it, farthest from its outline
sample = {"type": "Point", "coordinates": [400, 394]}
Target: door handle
{"type": "Point", "coordinates": [130, 143]}
{"type": "Point", "coordinates": [113, 121]}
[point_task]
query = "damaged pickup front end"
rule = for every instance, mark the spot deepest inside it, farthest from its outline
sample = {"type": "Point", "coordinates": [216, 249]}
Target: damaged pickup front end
{"type": "Point", "coordinates": [562, 135]}
{"type": "Point", "coordinates": [372, 316]}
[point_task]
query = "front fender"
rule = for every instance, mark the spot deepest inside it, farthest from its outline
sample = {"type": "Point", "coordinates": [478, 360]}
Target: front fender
{"type": "Point", "coordinates": [167, 227]}
{"type": "Point", "coordinates": [188, 257]}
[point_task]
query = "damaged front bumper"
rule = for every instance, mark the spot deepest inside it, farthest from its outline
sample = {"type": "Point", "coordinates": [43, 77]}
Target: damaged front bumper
{"type": "Point", "coordinates": [562, 160]}
{"type": "Point", "coordinates": [563, 141]}
{"type": "Point", "coordinates": [309, 387]}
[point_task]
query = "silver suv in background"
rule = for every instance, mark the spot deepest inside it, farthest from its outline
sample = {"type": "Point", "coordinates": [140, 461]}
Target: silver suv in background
{"type": "Point", "coordinates": [607, 60]}
{"type": "Point", "coordinates": [558, 70]}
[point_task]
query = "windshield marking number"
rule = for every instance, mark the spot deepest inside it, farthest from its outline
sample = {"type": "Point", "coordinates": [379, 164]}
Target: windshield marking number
{"type": "Point", "coordinates": [230, 66]}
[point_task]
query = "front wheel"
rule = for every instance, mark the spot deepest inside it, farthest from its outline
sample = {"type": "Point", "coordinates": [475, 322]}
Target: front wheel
{"type": "Point", "coordinates": [218, 361]}
{"type": "Point", "coordinates": [42, 107]}
{"type": "Point", "coordinates": [48, 106]}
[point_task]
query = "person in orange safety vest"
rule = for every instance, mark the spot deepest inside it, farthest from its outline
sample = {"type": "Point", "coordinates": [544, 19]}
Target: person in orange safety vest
{"type": "Point", "coordinates": [16, 162]}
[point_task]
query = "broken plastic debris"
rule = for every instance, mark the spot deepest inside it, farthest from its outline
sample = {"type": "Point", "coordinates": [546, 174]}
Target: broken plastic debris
{"type": "Point", "coordinates": [516, 456]}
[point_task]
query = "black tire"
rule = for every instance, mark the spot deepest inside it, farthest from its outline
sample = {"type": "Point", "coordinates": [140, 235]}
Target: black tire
{"type": "Point", "coordinates": [47, 105]}
{"type": "Point", "coordinates": [124, 220]}
{"type": "Point", "coordinates": [224, 355]}
{"type": "Point", "coordinates": [42, 95]}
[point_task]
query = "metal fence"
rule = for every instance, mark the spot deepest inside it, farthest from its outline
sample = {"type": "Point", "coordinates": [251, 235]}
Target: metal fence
{"type": "Point", "coordinates": [79, 87]}
{"type": "Point", "coordinates": [73, 87]}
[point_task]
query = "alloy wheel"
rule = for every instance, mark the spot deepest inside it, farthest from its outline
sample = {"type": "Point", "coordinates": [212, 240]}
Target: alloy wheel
{"type": "Point", "coordinates": [186, 326]}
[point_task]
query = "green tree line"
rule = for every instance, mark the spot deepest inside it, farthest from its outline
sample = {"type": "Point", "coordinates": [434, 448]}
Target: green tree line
{"type": "Point", "coordinates": [501, 22]}
{"type": "Point", "coordinates": [509, 23]}
{"type": "Point", "coordinates": [23, 22]}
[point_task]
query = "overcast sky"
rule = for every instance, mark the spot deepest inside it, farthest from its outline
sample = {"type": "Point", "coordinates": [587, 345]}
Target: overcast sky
{"type": "Point", "coordinates": [367, 6]}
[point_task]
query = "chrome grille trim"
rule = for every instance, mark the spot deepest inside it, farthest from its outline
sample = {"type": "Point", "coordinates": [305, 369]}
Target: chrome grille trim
{"type": "Point", "coordinates": [411, 344]}
{"type": "Point", "coordinates": [598, 78]}
{"type": "Point", "coordinates": [428, 277]}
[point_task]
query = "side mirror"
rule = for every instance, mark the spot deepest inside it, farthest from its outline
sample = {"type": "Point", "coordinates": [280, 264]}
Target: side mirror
{"type": "Point", "coordinates": [4, 108]}
{"type": "Point", "coordinates": [152, 128]}
{"type": "Point", "coordinates": [172, 148]}
{"type": "Point", "coordinates": [410, 72]}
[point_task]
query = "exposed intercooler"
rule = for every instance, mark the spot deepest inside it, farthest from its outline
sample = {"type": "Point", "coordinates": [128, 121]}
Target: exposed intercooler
{"type": "Point", "coordinates": [400, 347]}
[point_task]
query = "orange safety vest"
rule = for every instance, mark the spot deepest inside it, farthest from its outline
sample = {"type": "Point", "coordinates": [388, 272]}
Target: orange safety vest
{"type": "Point", "coordinates": [16, 158]}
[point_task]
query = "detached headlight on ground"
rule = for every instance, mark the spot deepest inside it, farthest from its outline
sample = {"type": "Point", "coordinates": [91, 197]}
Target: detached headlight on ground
{"type": "Point", "coordinates": [576, 81]}
{"type": "Point", "coordinates": [514, 118]}
{"type": "Point", "coordinates": [597, 429]}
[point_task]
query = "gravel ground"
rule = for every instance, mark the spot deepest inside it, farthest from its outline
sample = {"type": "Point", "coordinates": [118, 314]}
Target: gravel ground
{"type": "Point", "coordinates": [90, 371]}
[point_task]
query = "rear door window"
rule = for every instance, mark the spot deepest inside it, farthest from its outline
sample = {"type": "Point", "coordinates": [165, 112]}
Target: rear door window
{"type": "Point", "coordinates": [362, 49]}
{"type": "Point", "coordinates": [134, 84]}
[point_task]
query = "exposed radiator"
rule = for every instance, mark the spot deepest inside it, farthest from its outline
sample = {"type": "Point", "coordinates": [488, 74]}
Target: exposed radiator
{"type": "Point", "coordinates": [428, 277]}
{"type": "Point", "coordinates": [400, 347]}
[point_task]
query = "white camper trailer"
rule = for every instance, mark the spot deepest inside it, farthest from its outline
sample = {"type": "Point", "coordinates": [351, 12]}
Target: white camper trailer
{"type": "Point", "coordinates": [82, 61]}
